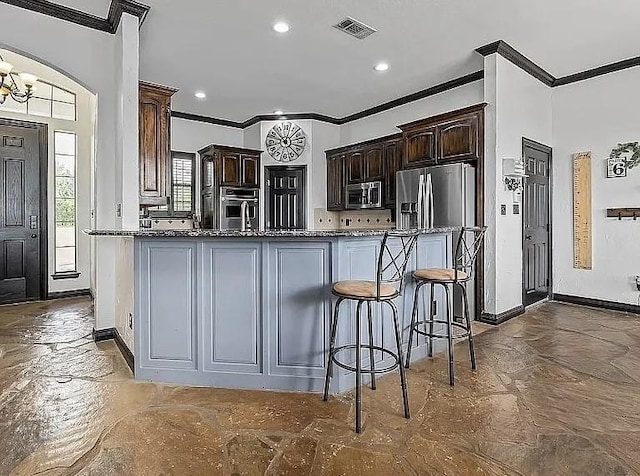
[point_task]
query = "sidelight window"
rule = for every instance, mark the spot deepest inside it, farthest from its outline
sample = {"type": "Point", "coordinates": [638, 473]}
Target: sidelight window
{"type": "Point", "coordinates": [65, 147]}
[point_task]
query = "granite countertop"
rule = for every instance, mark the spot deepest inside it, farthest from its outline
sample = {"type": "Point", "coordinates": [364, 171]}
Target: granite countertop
{"type": "Point", "coordinates": [255, 233]}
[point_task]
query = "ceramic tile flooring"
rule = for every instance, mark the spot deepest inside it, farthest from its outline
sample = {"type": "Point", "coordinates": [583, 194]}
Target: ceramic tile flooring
{"type": "Point", "coordinates": [557, 391]}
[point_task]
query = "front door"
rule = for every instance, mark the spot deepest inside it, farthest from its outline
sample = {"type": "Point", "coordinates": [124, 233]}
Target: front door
{"type": "Point", "coordinates": [285, 198]}
{"type": "Point", "coordinates": [536, 222]}
{"type": "Point", "coordinates": [19, 214]}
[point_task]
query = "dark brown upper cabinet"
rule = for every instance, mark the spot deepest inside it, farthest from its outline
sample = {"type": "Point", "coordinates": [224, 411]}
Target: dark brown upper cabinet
{"type": "Point", "coordinates": [373, 164]}
{"type": "Point", "coordinates": [373, 160]}
{"type": "Point", "coordinates": [457, 136]}
{"type": "Point", "coordinates": [154, 141]}
{"type": "Point", "coordinates": [250, 168]}
{"type": "Point", "coordinates": [458, 140]}
{"type": "Point", "coordinates": [392, 161]}
{"type": "Point", "coordinates": [355, 167]}
{"type": "Point", "coordinates": [420, 148]}
{"type": "Point", "coordinates": [335, 182]}
{"type": "Point", "coordinates": [230, 166]}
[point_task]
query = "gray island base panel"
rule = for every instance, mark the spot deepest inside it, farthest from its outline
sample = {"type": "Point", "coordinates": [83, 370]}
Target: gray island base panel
{"type": "Point", "coordinates": [254, 312]}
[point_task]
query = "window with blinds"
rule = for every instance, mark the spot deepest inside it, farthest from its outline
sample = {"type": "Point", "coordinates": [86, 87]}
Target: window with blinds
{"type": "Point", "coordinates": [183, 183]}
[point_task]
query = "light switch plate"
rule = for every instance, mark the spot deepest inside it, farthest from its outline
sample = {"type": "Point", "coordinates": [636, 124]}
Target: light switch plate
{"type": "Point", "coordinates": [503, 209]}
{"type": "Point", "coordinates": [516, 209]}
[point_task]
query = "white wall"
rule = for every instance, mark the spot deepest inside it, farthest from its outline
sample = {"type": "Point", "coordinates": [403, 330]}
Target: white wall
{"type": "Point", "coordinates": [89, 57]}
{"type": "Point", "coordinates": [191, 136]}
{"type": "Point", "coordinates": [518, 106]}
{"type": "Point", "coordinates": [595, 115]}
{"type": "Point", "coordinates": [385, 123]}
{"type": "Point", "coordinates": [83, 127]}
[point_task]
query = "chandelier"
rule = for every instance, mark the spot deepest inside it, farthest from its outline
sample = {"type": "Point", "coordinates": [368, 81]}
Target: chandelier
{"type": "Point", "coordinates": [17, 85]}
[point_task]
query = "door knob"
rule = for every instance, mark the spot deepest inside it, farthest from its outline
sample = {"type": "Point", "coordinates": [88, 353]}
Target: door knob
{"type": "Point", "coordinates": [527, 237]}
{"type": "Point", "coordinates": [34, 236]}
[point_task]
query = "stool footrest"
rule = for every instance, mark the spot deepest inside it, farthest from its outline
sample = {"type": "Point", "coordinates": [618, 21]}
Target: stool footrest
{"type": "Point", "coordinates": [417, 324]}
{"type": "Point", "coordinates": [367, 370]}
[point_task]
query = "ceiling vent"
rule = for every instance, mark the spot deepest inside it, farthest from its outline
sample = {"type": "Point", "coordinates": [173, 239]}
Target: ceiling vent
{"type": "Point", "coordinates": [355, 28]}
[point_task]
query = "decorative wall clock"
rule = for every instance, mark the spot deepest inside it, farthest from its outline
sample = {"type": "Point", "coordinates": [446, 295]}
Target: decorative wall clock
{"type": "Point", "coordinates": [285, 141]}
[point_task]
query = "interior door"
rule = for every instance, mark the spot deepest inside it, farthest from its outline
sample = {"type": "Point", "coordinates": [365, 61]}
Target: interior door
{"type": "Point", "coordinates": [536, 223]}
{"type": "Point", "coordinates": [285, 201]}
{"type": "Point", "coordinates": [19, 214]}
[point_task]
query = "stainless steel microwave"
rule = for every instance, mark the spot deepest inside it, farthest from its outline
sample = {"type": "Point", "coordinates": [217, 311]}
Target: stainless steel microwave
{"type": "Point", "coordinates": [364, 195]}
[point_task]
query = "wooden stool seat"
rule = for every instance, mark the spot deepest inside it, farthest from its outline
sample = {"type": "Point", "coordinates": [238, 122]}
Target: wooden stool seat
{"type": "Point", "coordinates": [439, 274]}
{"type": "Point", "coordinates": [364, 289]}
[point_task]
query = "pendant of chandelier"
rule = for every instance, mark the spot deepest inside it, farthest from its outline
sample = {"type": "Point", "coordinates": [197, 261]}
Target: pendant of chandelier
{"type": "Point", "coordinates": [19, 86]}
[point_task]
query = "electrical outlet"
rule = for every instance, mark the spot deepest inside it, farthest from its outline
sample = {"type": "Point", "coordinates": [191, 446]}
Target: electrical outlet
{"type": "Point", "coordinates": [516, 209]}
{"type": "Point", "coordinates": [119, 210]}
{"type": "Point", "coordinates": [130, 321]}
{"type": "Point", "coordinates": [503, 209]}
{"type": "Point", "coordinates": [638, 283]}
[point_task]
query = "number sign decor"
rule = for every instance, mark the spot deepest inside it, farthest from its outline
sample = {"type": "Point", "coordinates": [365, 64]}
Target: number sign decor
{"type": "Point", "coordinates": [285, 141]}
{"type": "Point", "coordinates": [626, 155]}
{"type": "Point", "coordinates": [616, 167]}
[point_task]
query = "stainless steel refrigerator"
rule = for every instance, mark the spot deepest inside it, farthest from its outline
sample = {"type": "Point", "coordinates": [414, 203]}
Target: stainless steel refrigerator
{"type": "Point", "coordinates": [435, 197]}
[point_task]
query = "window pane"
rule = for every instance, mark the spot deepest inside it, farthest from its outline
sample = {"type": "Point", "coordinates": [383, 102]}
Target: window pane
{"type": "Point", "coordinates": [62, 95]}
{"type": "Point", "coordinates": [65, 187]}
{"type": "Point", "coordinates": [42, 90]}
{"type": "Point", "coordinates": [65, 111]}
{"type": "Point", "coordinates": [65, 235]}
{"type": "Point", "coordinates": [65, 143]}
{"type": "Point", "coordinates": [65, 211]}
{"type": "Point", "coordinates": [65, 166]}
{"type": "Point", "coordinates": [39, 107]}
{"type": "Point", "coordinates": [65, 259]}
{"type": "Point", "coordinates": [13, 106]}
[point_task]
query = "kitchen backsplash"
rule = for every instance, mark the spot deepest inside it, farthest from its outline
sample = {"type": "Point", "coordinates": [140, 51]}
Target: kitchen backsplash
{"type": "Point", "coordinates": [171, 224]}
{"type": "Point", "coordinates": [352, 219]}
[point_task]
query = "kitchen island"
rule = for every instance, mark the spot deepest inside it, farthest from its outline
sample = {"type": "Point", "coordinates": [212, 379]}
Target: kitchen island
{"type": "Point", "coordinates": [252, 309]}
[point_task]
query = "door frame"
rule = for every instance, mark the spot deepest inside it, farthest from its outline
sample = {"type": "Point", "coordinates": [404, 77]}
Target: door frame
{"type": "Point", "coordinates": [267, 190]}
{"type": "Point", "coordinates": [43, 148]}
{"type": "Point", "coordinates": [547, 150]}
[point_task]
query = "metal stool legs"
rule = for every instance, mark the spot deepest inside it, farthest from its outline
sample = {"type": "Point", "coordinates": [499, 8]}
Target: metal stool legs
{"type": "Point", "coordinates": [332, 346]}
{"type": "Point", "coordinates": [372, 361]}
{"type": "Point", "coordinates": [403, 379]}
{"type": "Point", "coordinates": [449, 333]}
{"type": "Point", "coordinates": [358, 357]}
{"type": "Point", "coordinates": [449, 324]}
{"type": "Point", "coordinates": [472, 353]}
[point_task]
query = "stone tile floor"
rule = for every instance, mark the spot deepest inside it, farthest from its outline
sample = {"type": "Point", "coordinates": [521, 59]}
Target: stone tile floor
{"type": "Point", "coordinates": [557, 392]}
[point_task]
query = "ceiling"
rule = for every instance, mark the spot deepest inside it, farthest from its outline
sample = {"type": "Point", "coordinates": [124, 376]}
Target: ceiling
{"type": "Point", "coordinates": [228, 49]}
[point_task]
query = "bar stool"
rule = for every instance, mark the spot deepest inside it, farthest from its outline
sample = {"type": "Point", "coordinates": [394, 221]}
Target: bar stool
{"type": "Point", "coordinates": [468, 245]}
{"type": "Point", "coordinates": [389, 283]}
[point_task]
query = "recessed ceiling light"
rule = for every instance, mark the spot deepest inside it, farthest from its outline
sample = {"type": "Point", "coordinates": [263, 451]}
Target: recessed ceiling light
{"type": "Point", "coordinates": [278, 112]}
{"type": "Point", "coordinates": [381, 67]}
{"type": "Point", "coordinates": [281, 27]}
{"type": "Point", "coordinates": [200, 95]}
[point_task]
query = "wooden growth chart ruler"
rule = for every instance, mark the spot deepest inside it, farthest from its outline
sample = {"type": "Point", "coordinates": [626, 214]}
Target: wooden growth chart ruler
{"type": "Point", "coordinates": [582, 233]}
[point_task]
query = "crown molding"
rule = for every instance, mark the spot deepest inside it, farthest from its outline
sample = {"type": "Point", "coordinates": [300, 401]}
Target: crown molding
{"type": "Point", "coordinates": [440, 88]}
{"type": "Point", "coordinates": [595, 72]}
{"type": "Point", "coordinates": [61, 12]}
{"type": "Point", "coordinates": [511, 54]}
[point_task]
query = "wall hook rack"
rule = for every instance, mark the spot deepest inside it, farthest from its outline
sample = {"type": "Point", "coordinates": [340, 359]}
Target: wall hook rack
{"type": "Point", "coordinates": [621, 213]}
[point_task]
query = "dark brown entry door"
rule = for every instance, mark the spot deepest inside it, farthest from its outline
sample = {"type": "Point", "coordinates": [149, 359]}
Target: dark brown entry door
{"type": "Point", "coordinates": [536, 222]}
{"type": "Point", "coordinates": [285, 200]}
{"type": "Point", "coordinates": [19, 214]}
